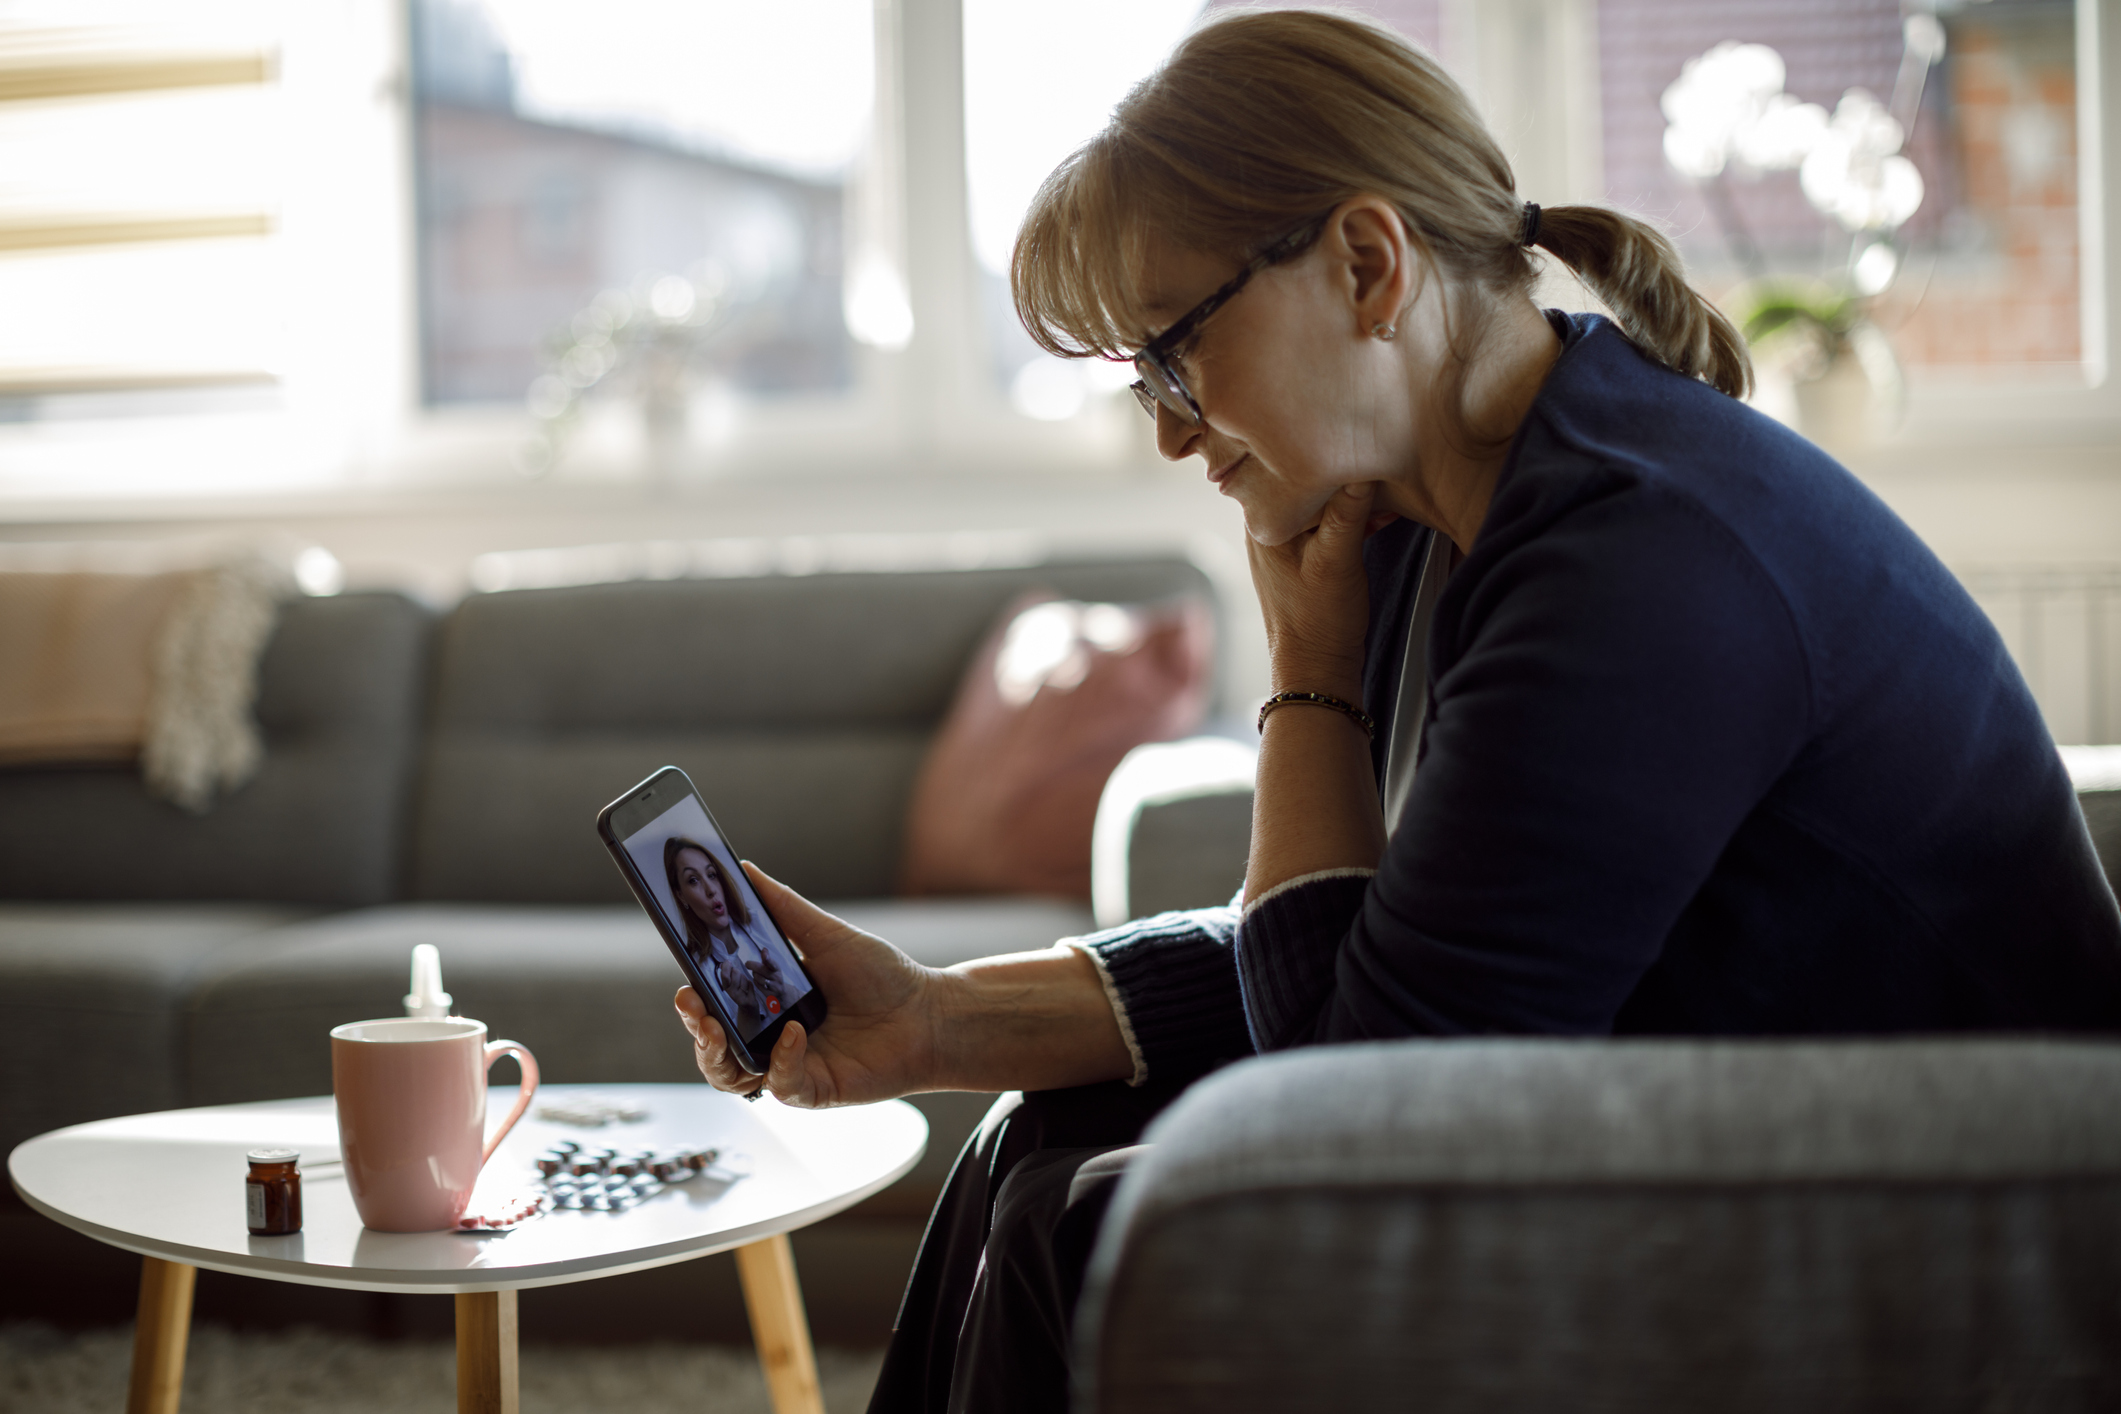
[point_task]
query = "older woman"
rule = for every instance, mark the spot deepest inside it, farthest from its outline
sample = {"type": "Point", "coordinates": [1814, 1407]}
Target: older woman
{"type": "Point", "coordinates": [1601, 704]}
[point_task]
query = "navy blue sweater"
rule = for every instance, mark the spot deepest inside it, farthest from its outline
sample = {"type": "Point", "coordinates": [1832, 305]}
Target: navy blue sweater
{"type": "Point", "coordinates": [1713, 745]}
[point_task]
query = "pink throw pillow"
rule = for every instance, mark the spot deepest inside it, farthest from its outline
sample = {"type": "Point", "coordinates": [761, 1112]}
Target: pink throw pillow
{"type": "Point", "coordinates": [1057, 694]}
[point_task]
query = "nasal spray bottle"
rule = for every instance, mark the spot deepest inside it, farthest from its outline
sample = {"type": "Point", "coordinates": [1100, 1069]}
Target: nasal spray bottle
{"type": "Point", "coordinates": [427, 1001]}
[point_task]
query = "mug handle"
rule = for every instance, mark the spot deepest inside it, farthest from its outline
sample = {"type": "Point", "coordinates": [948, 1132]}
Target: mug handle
{"type": "Point", "coordinates": [524, 1090]}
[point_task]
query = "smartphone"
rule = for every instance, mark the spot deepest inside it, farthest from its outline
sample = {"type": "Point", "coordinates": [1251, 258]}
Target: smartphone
{"type": "Point", "coordinates": [683, 870]}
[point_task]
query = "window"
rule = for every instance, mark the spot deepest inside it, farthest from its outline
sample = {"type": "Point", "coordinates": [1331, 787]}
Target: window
{"type": "Point", "coordinates": [140, 208]}
{"type": "Point", "coordinates": [636, 194]}
{"type": "Point", "coordinates": [1980, 99]}
{"type": "Point", "coordinates": [1984, 271]}
{"type": "Point", "coordinates": [1979, 95]}
{"type": "Point", "coordinates": [1086, 55]}
{"type": "Point", "coordinates": [262, 244]}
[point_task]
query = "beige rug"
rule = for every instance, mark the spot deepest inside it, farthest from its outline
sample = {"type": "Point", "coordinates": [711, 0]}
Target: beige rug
{"type": "Point", "coordinates": [45, 1371]}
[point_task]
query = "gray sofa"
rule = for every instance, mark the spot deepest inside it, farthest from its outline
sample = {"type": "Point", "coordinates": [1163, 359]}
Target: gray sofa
{"type": "Point", "coordinates": [1514, 1227]}
{"type": "Point", "coordinates": [436, 780]}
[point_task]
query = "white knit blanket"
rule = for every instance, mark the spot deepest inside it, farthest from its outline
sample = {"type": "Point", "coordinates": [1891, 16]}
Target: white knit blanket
{"type": "Point", "coordinates": [202, 731]}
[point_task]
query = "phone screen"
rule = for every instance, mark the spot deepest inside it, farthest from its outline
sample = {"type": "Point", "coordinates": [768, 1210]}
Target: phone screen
{"type": "Point", "coordinates": [693, 878]}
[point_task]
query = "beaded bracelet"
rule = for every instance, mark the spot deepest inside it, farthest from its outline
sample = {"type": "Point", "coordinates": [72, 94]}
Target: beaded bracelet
{"type": "Point", "coordinates": [1352, 712]}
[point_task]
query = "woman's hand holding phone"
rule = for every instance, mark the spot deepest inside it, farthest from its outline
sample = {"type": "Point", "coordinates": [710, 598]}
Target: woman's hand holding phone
{"type": "Point", "coordinates": [1026, 1021]}
{"type": "Point", "coordinates": [880, 1040]}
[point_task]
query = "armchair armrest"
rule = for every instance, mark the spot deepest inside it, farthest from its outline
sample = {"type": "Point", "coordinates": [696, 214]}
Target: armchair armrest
{"type": "Point", "coordinates": [1173, 828]}
{"type": "Point", "coordinates": [2096, 773]}
{"type": "Point", "coordinates": [1530, 1225]}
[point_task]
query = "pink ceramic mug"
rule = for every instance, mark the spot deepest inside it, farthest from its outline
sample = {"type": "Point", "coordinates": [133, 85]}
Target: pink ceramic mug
{"type": "Point", "coordinates": [412, 1116]}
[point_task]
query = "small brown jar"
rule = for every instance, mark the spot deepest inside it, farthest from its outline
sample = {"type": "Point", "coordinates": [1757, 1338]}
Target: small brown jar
{"type": "Point", "coordinates": [274, 1192]}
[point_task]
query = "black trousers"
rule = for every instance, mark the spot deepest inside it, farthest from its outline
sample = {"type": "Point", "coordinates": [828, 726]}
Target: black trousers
{"type": "Point", "coordinates": [987, 1317]}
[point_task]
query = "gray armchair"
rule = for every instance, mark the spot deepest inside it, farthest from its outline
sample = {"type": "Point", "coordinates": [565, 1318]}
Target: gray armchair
{"type": "Point", "coordinates": [1543, 1225]}
{"type": "Point", "coordinates": [1503, 1226]}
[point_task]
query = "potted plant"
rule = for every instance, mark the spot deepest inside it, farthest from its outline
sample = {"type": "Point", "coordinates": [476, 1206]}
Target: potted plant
{"type": "Point", "coordinates": [1824, 367]}
{"type": "Point", "coordinates": [1820, 363]}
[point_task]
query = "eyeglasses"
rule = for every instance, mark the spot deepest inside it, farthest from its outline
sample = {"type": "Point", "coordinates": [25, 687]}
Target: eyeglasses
{"type": "Point", "coordinates": [1160, 382]}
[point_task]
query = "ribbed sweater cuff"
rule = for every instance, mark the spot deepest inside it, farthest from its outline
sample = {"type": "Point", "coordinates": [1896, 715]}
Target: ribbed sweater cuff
{"type": "Point", "coordinates": [1174, 992]}
{"type": "Point", "coordinates": [1288, 943]}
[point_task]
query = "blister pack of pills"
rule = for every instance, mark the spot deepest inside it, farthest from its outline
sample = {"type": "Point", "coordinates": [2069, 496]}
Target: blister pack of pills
{"type": "Point", "coordinates": [606, 1180]}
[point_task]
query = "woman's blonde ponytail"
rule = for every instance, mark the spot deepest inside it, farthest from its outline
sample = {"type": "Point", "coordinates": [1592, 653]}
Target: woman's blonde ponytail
{"type": "Point", "coordinates": [1633, 268]}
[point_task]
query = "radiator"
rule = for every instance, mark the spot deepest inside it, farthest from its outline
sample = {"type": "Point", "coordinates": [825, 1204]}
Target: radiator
{"type": "Point", "coordinates": [2063, 626]}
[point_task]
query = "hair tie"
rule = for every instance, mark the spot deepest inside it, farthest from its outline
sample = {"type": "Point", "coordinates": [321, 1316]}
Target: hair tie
{"type": "Point", "coordinates": [1531, 224]}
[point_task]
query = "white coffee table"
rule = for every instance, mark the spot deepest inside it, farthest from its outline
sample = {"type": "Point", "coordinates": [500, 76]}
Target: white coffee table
{"type": "Point", "coordinates": [170, 1187]}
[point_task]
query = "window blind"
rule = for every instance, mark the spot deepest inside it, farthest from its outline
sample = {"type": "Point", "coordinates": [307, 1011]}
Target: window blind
{"type": "Point", "coordinates": [140, 158]}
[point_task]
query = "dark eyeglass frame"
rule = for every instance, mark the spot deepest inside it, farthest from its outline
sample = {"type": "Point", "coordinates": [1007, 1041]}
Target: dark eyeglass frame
{"type": "Point", "coordinates": [1160, 381]}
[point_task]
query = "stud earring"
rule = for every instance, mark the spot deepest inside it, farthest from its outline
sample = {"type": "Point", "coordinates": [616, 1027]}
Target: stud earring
{"type": "Point", "coordinates": [1383, 332]}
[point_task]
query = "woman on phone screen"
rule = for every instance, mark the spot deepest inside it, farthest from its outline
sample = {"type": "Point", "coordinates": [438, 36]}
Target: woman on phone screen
{"type": "Point", "coordinates": [718, 934]}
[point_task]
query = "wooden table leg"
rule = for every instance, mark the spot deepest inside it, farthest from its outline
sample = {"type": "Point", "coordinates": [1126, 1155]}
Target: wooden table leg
{"type": "Point", "coordinates": [778, 1326]}
{"type": "Point", "coordinates": [160, 1336]}
{"type": "Point", "coordinates": [486, 1353]}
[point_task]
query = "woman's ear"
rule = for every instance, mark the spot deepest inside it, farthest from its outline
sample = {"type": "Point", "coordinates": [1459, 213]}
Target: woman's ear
{"type": "Point", "coordinates": [1381, 268]}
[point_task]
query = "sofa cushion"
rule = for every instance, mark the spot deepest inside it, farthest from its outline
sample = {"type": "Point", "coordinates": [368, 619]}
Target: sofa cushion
{"type": "Point", "coordinates": [587, 988]}
{"type": "Point", "coordinates": [338, 702]}
{"type": "Point", "coordinates": [800, 705]}
{"type": "Point", "coordinates": [512, 817]}
{"type": "Point", "coordinates": [90, 1004]}
{"type": "Point", "coordinates": [1058, 693]}
{"type": "Point", "coordinates": [584, 988]}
